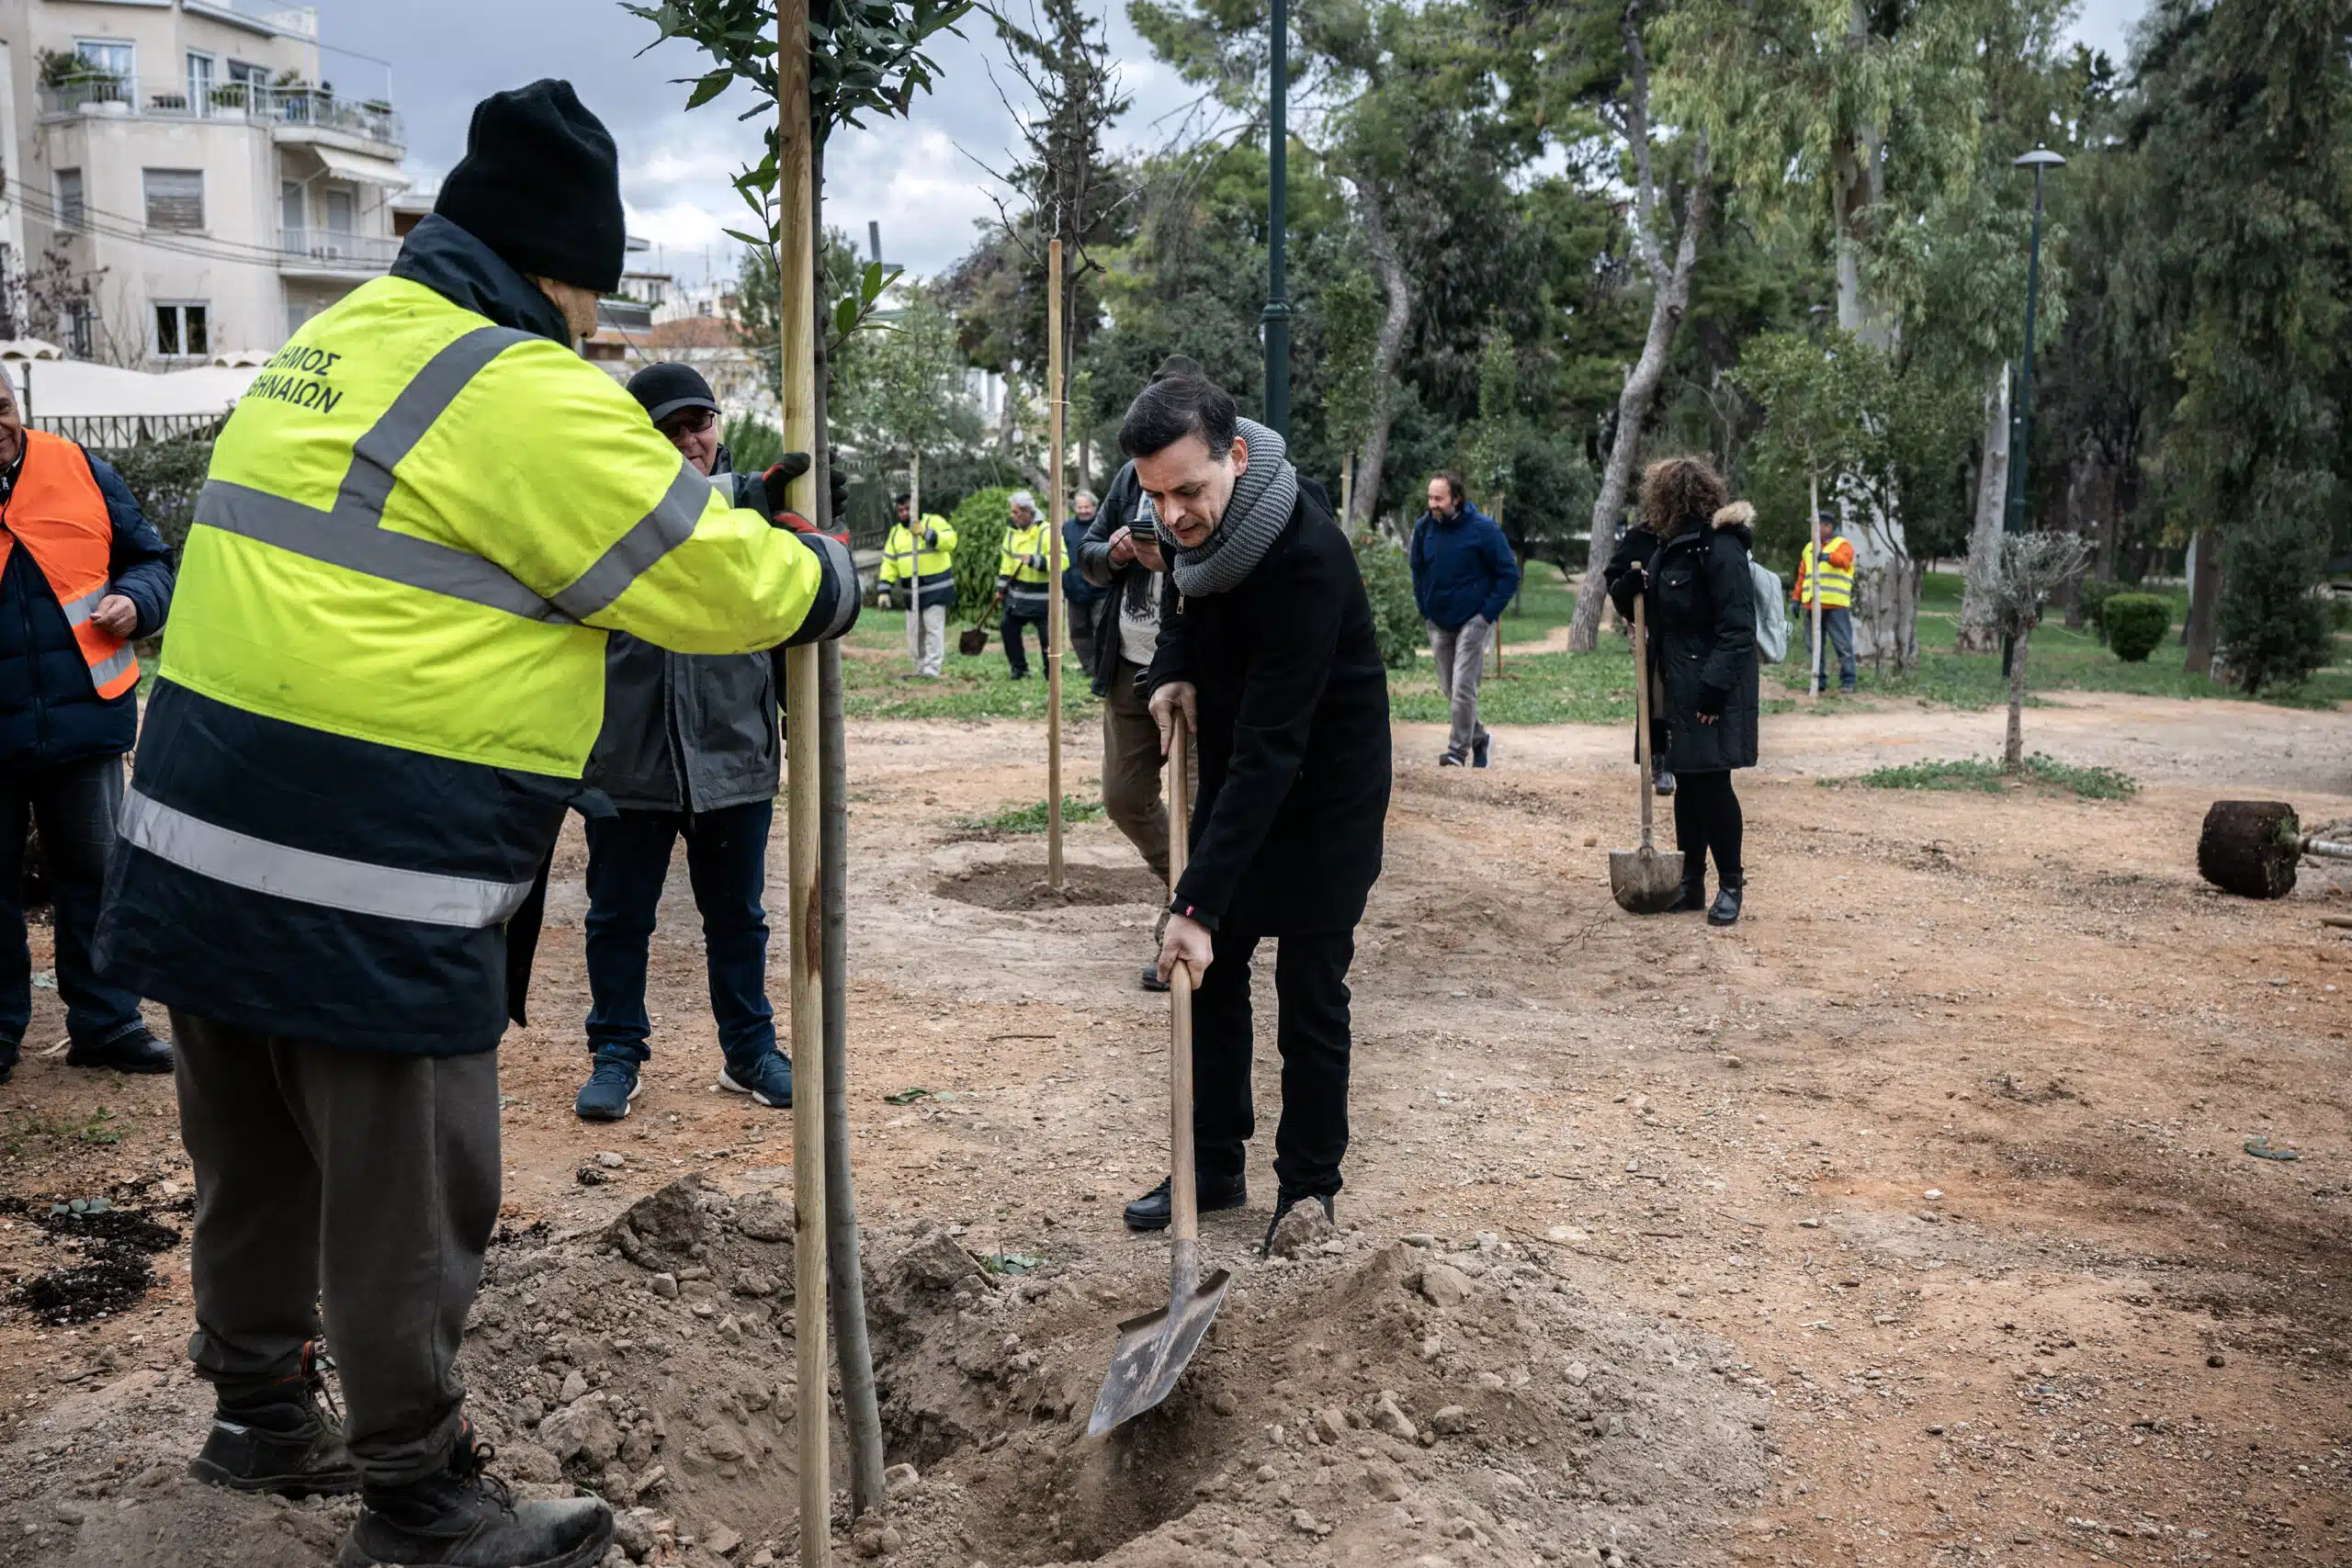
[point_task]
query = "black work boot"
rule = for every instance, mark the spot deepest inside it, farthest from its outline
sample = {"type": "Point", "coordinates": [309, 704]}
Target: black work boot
{"type": "Point", "coordinates": [1692, 900]}
{"type": "Point", "coordinates": [1726, 909]}
{"type": "Point", "coordinates": [1283, 1204]}
{"type": "Point", "coordinates": [1155, 1209]}
{"type": "Point", "coordinates": [462, 1518]}
{"type": "Point", "coordinates": [282, 1436]}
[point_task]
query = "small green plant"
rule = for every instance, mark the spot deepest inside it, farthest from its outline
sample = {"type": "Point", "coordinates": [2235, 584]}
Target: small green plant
{"type": "Point", "coordinates": [2340, 610]}
{"type": "Point", "coordinates": [1988, 777]}
{"type": "Point", "coordinates": [96, 1128]}
{"type": "Point", "coordinates": [1031, 818]}
{"type": "Point", "coordinates": [2093, 595]}
{"type": "Point", "coordinates": [1395, 614]}
{"type": "Point", "coordinates": [2136, 624]}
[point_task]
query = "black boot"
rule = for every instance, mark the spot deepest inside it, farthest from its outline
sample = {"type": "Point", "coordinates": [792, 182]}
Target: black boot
{"type": "Point", "coordinates": [1154, 1211]}
{"type": "Point", "coordinates": [461, 1517]}
{"type": "Point", "coordinates": [1283, 1204]}
{"type": "Point", "coordinates": [1726, 909]}
{"type": "Point", "coordinates": [282, 1436]}
{"type": "Point", "coordinates": [1692, 900]}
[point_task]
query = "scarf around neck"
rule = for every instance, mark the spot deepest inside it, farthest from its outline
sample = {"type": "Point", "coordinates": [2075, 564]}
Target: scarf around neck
{"type": "Point", "coordinates": [1259, 508]}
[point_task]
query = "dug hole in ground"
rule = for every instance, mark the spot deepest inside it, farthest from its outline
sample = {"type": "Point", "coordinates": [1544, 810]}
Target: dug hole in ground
{"type": "Point", "coordinates": [1911, 1221]}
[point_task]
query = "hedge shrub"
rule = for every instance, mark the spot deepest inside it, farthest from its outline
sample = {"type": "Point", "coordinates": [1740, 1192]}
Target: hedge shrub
{"type": "Point", "coordinates": [2093, 595]}
{"type": "Point", "coordinates": [2136, 624]}
{"type": "Point", "coordinates": [1396, 617]}
{"type": "Point", "coordinates": [979, 545]}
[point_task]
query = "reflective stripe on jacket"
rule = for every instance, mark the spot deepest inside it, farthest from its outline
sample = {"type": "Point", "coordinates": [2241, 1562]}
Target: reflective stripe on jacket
{"type": "Point", "coordinates": [1024, 563]}
{"type": "Point", "coordinates": [57, 512]}
{"type": "Point", "coordinates": [387, 669]}
{"type": "Point", "coordinates": [936, 562]}
{"type": "Point", "coordinates": [1836, 576]}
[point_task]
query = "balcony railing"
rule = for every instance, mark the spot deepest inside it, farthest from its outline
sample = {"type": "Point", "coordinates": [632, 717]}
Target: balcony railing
{"type": "Point", "coordinates": [238, 101]}
{"type": "Point", "coordinates": [331, 250]}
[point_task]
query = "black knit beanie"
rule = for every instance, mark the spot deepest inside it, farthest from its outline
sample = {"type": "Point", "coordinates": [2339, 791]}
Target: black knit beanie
{"type": "Point", "coordinates": [540, 184]}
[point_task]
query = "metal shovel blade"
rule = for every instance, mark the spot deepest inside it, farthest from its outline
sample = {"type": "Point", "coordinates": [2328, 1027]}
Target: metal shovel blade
{"type": "Point", "coordinates": [1154, 1349]}
{"type": "Point", "coordinates": [1645, 881]}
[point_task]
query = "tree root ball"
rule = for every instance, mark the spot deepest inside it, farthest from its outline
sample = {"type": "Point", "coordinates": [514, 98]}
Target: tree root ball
{"type": "Point", "coordinates": [2250, 847]}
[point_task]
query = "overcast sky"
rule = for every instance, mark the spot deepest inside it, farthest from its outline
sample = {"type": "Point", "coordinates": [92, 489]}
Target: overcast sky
{"type": "Point", "coordinates": [914, 176]}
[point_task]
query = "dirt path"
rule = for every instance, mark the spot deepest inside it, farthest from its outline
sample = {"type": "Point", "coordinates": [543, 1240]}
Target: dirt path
{"type": "Point", "coordinates": [1909, 1223]}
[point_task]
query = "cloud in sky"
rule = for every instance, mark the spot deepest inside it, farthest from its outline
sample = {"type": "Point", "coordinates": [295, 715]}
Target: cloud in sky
{"type": "Point", "coordinates": [918, 177]}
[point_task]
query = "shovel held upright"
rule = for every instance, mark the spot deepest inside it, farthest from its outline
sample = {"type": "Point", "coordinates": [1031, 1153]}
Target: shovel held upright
{"type": "Point", "coordinates": [1154, 1349]}
{"type": "Point", "coordinates": [1643, 881]}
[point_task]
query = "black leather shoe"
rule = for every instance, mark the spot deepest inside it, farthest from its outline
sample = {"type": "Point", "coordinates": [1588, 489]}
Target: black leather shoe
{"type": "Point", "coordinates": [1152, 980]}
{"type": "Point", "coordinates": [282, 1438]}
{"type": "Point", "coordinates": [1285, 1204]}
{"type": "Point", "coordinates": [137, 1052]}
{"type": "Point", "coordinates": [1152, 1211]}
{"type": "Point", "coordinates": [1662, 779]}
{"type": "Point", "coordinates": [1726, 909]}
{"type": "Point", "coordinates": [462, 1518]}
{"type": "Point", "coordinates": [1690, 900]}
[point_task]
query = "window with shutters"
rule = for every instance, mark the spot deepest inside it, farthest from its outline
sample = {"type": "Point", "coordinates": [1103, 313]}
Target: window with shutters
{"type": "Point", "coordinates": [182, 331]}
{"type": "Point", "coordinates": [71, 209]}
{"type": "Point", "coordinates": [174, 199]}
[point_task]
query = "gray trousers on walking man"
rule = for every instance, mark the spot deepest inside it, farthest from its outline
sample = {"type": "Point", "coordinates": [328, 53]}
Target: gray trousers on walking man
{"type": "Point", "coordinates": [927, 639]}
{"type": "Point", "coordinates": [369, 1177]}
{"type": "Point", "coordinates": [1460, 658]}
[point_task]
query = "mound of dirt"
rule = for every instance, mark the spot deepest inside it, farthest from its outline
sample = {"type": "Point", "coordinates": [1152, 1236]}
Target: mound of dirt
{"type": "Point", "coordinates": [1021, 885]}
{"type": "Point", "coordinates": [113, 1273]}
{"type": "Point", "coordinates": [1362, 1405]}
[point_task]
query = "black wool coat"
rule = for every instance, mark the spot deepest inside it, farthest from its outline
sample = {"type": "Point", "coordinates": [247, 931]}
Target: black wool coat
{"type": "Point", "coordinates": [1701, 616]}
{"type": "Point", "coordinates": [1293, 700]}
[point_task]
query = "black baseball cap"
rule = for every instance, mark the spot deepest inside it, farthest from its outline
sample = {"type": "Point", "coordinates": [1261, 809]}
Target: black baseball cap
{"type": "Point", "coordinates": [666, 389]}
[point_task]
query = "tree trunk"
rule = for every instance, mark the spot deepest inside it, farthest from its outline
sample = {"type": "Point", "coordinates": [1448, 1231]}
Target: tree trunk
{"type": "Point", "coordinates": [1669, 302]}
{"type": "Point", "coordinates": [2013, 752]}
{"type": "Point", "coordinates": [1385, 348]}
{"type": "Point", "coordinates": [2204, 598]}
{"type": "Point", "coordinates": [1977, 634]}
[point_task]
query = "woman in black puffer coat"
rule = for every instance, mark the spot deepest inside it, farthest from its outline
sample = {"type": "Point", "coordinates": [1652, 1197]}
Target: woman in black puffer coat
{"type": "Point", "coordinates": [1690, 558]}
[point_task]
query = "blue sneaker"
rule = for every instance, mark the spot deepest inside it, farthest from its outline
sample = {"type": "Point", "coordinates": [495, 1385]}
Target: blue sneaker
{"type": "Point", "coordinates": [611, 1086]}
{"type": "Point", "coordinates": [766, 1078]}
{"type": "Point", "coordinates": [1481, 751]}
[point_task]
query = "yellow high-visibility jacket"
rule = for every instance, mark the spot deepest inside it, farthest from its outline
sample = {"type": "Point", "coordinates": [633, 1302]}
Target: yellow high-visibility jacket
{"type": "Point", "coordinates": [387, 660]}
{"type": "Point", "coordinates": [936, 562]}
{"type": "Point", "coordinates": [1836, 576]}
{"type": "Point", "coordinates": [1022, 568]}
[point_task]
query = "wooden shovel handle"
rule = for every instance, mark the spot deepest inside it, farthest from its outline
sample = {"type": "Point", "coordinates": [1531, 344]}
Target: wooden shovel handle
{"type": "Point", "coordinates": [1642, 706]}
{"type": "Point", "coordinates": [1183, 1202]}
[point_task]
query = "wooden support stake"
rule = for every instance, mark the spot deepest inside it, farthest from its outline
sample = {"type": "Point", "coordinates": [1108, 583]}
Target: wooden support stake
{"type": "Point", "coordinates": [797, 299]}
{"type": "Point", "coordinates": [1056, 409]}
{"type": "Point", "coordinates": [914, 550]}
{"type": "Point", "coordinates": [1817, 679]}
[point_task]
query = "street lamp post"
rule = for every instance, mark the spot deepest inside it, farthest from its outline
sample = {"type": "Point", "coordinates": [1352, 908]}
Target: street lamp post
{"type": "Point", "coordinates": [1277, 316]}
{"type": "Point", "coordinates": [2022, 412]}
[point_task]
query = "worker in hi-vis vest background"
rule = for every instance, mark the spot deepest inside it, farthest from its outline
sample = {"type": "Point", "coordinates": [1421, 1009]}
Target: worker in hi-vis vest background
{"type": "Point", "coordinates": [1836, 583]}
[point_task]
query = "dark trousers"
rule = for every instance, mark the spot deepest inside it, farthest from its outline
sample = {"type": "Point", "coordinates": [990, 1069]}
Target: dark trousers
{"type": "Point", "coordinates": [1311, 991]}
{"type": "Point", "coordinates": [368, 1179]}
{"type": "Point", "coordinates": [1837, 631]}
{"type": "Point", "coordinates": [1706, 817]}
{"type": "Point", "coordinates": [1016, 655]}
{"type": "Point", "coordinates": [726, 860]}
{"type": "Point", "coordinates": [1080, 621]}
{"type": "Point", "coordinates": [75, 806]}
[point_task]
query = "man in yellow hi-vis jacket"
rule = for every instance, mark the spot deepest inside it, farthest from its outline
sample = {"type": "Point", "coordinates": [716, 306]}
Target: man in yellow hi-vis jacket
{"type": "Point", "coordinates": [1835, 555]}
{"type": "Point", "coordinates": [933, 561]}
{"type": "Point", "coordinates": [385, 675]}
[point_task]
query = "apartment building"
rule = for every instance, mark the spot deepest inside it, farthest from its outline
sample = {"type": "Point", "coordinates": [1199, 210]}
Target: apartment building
{"type": "Point", "coordinates": [194, 158]}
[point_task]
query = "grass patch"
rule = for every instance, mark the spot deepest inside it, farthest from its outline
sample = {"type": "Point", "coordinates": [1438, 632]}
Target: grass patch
{"type": "Point", "coordinates": [19, 1123]}
{"type": "Point", "coordinates": [1983, 774]}
{"type": "Point", "coordinates": [874, 682]}
{"type": "Point", "coordinates": [1031, 818]}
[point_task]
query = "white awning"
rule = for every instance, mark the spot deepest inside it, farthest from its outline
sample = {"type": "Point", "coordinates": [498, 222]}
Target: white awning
{"type": "Point", "coordinates": [360, 167]}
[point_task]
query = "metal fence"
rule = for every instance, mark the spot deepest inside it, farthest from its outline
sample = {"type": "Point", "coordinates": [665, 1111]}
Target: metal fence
{"type": "Point", "coordinates": [111, 432]}
{"type": "Point", "coordinates": [177, 98]}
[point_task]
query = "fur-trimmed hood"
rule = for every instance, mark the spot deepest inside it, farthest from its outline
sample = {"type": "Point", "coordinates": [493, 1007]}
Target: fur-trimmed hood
{"type": "Point", "coordinates": [1738, 519]}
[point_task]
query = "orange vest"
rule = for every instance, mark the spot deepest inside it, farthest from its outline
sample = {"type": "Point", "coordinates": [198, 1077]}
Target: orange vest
{"type": "Point", "coordinates": [58, 512]}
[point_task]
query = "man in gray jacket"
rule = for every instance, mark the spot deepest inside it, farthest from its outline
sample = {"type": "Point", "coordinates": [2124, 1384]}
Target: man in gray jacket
{"type": "Point", "coordinates": [690, 749]}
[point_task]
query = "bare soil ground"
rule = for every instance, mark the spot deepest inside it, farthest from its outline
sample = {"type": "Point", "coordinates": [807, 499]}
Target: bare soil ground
{"type": "Point", "coordinates": [1911, 1221]}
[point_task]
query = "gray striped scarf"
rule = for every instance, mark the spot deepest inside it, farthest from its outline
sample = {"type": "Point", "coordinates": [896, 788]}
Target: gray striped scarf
{"type": "Point", "coordinates": [1255, 516]}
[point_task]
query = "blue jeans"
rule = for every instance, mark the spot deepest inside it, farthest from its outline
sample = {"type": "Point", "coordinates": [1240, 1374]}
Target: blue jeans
{"type": "Point", "coordinates": [1838, 626]}
{"type": "Point", "coordinates": [75, 806]}
{"type": "Point", "coordinates": [1015, 654]}
{"type": "Point", "coordinates": [726, 860]}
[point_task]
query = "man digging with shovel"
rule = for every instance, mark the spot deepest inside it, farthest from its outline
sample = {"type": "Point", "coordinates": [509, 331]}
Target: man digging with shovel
{"type": "Point", "coordinates": [1267, 653]}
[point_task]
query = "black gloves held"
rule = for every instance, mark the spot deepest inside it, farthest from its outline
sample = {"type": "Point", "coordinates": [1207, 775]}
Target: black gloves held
{"type": "Point", "coordinates": [790, 466]}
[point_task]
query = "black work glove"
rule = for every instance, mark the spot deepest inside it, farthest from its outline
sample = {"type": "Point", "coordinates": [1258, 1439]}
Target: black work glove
{"type": "Point", "coordinates": [1711, 702]}
{"type": "Point", "coordinates": [790, 466]}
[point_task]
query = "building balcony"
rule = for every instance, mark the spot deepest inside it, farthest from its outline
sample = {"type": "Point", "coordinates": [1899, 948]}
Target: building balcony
{"type": "Point", "coordinates": [333, 253]}
{"type": "Point", "coordinates": [290, 114]}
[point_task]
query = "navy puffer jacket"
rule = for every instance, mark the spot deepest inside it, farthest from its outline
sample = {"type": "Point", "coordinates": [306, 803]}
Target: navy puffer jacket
{"type": "Point", "coordinates": [50, 712]}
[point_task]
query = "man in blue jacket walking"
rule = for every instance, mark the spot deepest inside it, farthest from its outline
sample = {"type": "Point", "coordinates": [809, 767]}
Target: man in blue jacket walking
{"type": "Point", "coordinates": [83, 574]}
{"type": "Point", "coordinates": [1463, 576]}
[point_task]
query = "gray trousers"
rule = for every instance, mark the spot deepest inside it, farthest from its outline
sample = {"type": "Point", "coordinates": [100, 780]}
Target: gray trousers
{"type": "Point", "coordinates": [1460, 658]}
{"type": "Point", "coordinates": [927, 639]}
{"type": "Point", "coordinates": [367, 1178]}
